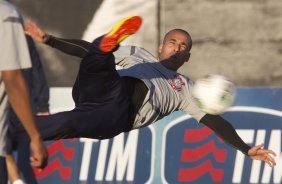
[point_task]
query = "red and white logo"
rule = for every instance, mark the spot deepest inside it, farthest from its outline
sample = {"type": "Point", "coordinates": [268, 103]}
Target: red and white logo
{"type": "Point", "coordinates": [176, 83]}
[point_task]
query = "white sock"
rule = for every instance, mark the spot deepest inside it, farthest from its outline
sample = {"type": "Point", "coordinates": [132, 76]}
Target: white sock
{"type": "Point", "coordinates": [18, 181]}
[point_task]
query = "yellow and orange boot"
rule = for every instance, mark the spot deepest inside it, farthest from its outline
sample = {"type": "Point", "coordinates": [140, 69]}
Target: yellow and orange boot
{"type": "Point", "coordinates": [122, 30]}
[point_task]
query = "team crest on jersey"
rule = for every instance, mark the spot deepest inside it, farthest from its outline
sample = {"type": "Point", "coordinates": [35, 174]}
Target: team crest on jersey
{"type": "Point", "coordinates": [176, 83]}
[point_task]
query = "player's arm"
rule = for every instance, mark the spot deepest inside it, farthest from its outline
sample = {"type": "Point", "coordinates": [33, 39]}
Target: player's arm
{"type": "Point", "coordinates": [19, 99]}
{"type": "Point", "coordinates": [72, 47]}
{"type": "Point", "coordinates": [227, 132]}
{"type": "Point", "coordinates": [78, 48]}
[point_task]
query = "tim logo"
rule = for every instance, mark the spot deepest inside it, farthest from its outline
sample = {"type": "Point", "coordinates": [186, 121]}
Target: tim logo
{"type": "Point", "coordinates": [123, 159]}
{"type": "Point", "coordinates": [61, 156]}
{"type": "Point", "coordinates": [194, 154]}
{"type": "Point", "coordinates": [87, 161]}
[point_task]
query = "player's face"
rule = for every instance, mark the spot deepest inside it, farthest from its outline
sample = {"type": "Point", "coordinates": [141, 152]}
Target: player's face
{"type": "Point", "coordinates": [174, 42]}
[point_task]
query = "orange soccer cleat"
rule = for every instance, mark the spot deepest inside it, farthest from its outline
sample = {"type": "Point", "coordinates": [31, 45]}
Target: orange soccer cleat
{"type": "Point", "coordinates": [122, 30]}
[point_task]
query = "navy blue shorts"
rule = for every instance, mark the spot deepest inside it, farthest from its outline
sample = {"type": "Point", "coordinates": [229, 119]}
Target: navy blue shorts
{"type": "Point", "coordinates": [101, 99]}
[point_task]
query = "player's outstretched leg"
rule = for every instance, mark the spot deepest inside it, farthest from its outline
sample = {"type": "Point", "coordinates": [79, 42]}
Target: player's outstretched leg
{"type": "Point", "coordinates": [122, 30]}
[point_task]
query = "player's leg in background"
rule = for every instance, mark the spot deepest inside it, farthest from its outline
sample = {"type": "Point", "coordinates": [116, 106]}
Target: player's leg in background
{"type": "Point", "coordinates": [3, 169]}
{"type": "Point", "coordinates": [14, 174]}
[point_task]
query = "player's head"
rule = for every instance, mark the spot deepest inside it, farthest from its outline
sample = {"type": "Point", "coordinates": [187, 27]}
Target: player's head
{"type": "Point", "coordinates": [175, 41]}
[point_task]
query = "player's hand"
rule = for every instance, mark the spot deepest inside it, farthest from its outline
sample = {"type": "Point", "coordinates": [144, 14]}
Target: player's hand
{"type": "Point", "coordinates": [35, 32]}
{"type": "Point", "coordinates": [258, 153]}
{"type": "Point", "coordinates": [39, 158]}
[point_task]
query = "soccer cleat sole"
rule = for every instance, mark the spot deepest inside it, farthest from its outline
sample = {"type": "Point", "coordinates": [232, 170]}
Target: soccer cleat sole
{"type": "Point", "coordinates": [121, 31]}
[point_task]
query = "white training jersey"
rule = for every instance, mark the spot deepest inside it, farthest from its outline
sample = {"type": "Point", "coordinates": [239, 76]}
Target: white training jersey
{"type": "Point", "coordinates": [169, 91]}
{"type": "Point", "coordinates": [14, 54]}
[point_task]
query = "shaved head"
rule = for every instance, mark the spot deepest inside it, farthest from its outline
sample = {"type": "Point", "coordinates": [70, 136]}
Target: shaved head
{"type": "Point", "coordinates": [182, 31]}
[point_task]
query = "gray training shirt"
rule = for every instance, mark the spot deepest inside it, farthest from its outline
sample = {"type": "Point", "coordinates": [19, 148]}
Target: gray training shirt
{"type": "Point", "coordinates": [14, 55]}
{"type": "Point", "coordinates": [169, 91]}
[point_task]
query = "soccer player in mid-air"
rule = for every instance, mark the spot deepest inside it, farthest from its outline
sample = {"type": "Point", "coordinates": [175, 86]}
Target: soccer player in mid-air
{"type": "Point", "coordinates": [109, 102]}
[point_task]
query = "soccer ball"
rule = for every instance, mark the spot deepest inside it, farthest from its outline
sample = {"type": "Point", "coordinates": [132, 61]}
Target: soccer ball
{"type": "Point", "coordinates": [214, 94]}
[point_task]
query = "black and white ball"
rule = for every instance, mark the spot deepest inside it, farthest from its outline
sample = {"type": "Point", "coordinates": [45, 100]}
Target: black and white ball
{"type": "Point", "coordinates": [214, 94]}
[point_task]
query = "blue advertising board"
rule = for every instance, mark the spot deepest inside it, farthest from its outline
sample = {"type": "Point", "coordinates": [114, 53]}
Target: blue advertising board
{"type": "Point", "coordinates": [176, 149]}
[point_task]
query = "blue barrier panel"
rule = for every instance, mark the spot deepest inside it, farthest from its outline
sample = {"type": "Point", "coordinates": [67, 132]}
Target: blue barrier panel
{"type": "Point", "coordinates": [177, 149]}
